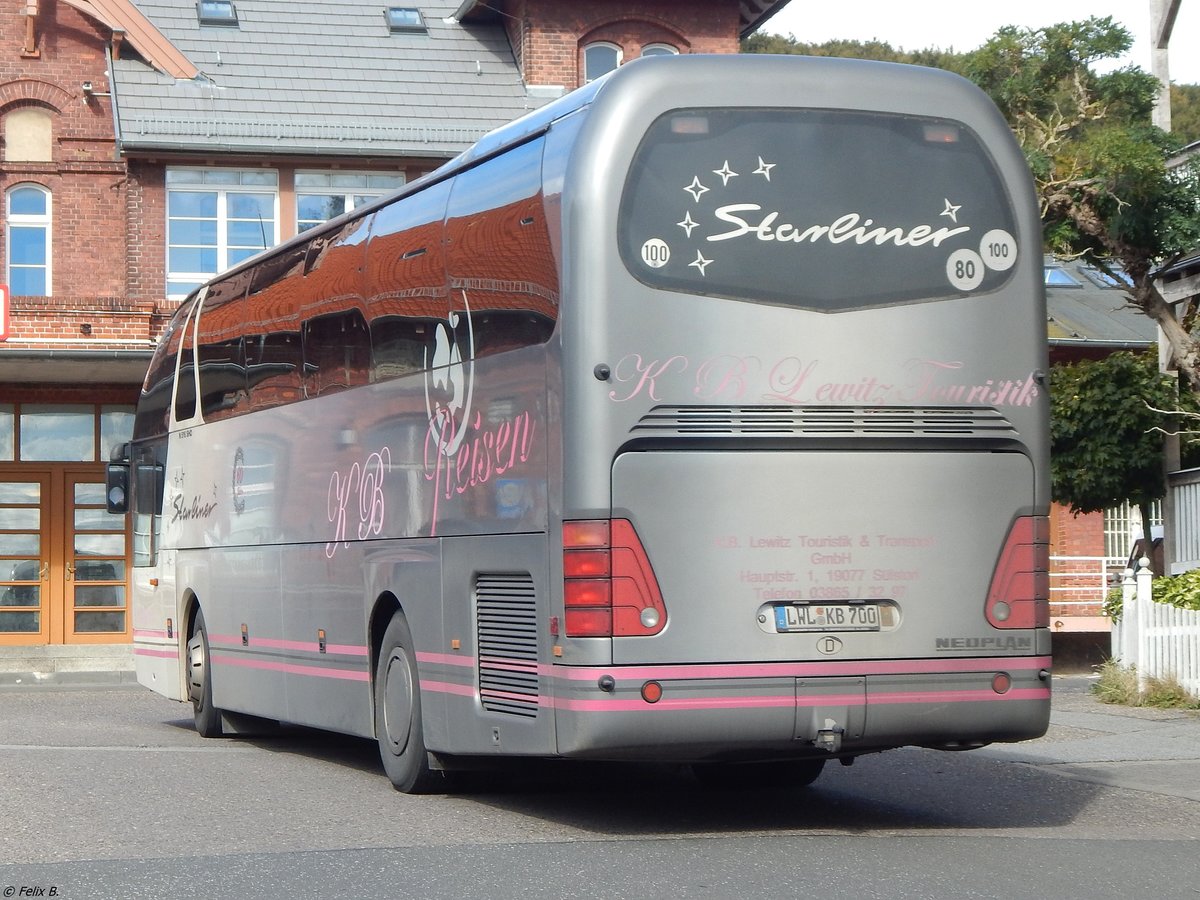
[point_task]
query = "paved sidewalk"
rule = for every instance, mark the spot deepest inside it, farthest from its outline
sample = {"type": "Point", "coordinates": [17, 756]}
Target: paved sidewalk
{"type": "Point", "coordinates": [1154, 750]}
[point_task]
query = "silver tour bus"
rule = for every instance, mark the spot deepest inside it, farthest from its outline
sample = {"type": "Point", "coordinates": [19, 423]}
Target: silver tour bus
{"type": "Point", "coordinates": [698, 416]}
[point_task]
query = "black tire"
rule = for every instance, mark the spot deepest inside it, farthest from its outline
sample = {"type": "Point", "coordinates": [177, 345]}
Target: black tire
{"type": "Point", "coordinates": [208, 717]}
{"type": "Point", "coordinates": [748, 776]}
{"type": "Point", "coordinates": [398, 714]}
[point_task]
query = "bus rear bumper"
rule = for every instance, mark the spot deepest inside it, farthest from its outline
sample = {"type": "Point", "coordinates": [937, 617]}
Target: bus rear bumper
{"type": "Point", "coordinates": [775, 710]}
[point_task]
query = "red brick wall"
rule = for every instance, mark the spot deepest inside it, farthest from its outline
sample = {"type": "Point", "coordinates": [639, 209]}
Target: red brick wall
{"type": "Point", "coordinates": [548, 35]}
{"type": "Point", "coordinates": [1076, 586]}
{"type": "Point", "coordinates": [146, 206]}
{"type": "Point", "coordinates": [88, 184]}
{"type": "Point", "coordinates": [1072, 535]}
{"type": "Point", "coordinates": [86, 181]}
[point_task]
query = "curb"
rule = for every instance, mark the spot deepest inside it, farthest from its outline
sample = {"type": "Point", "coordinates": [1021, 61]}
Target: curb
{"type": "Point", "coordinates": [26, 681]}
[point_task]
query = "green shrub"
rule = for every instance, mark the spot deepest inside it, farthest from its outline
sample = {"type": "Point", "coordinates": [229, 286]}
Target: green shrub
{"type": "Point", "coordinates": [1182, 591]}
{"type": "Point", "coordinates": [1114, 600]}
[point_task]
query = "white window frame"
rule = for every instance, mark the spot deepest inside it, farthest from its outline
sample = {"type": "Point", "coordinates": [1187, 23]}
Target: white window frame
{"type": "Point", "coordinates": [45, 221]}
{"type": "Point", "coordinates": [601, 45]}
{"type": "Point", "coordinates": [353, 193]}
{"type": "Point", "coordinates": [249, 181]}
{"type": "Point", "coordinates": [660, 49]}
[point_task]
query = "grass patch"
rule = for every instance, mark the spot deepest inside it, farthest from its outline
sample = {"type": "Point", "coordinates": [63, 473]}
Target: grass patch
{"type": "Point", "coordinates": [1118, 685]}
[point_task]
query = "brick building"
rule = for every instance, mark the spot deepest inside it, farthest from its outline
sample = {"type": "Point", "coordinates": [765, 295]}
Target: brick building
{"type": "Point", "coordinates": [148, 145]}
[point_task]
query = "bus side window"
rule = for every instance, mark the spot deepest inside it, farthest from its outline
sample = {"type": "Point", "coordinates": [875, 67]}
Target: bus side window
{"type": "Point", "coordinates": [337, 347]}
{"type": "Point", "coordinates": [154, 406]}
{"type": "Point", "coordinates": [500, 259]}
{"type": "Point", "coordinates": [400, 345]}
{"type": "Point", "coordinates": [274, 362]}
{"type": "Point", "coordinates": [337, 353]}
{"type": "Point", "coordinates": [147, 483]}
{"type": "Point", "coordinates": [220, 349]}
{"type": "Point", "coordinates": [185, 382]}
{"type": "Point", "coordinates": [405, 284]}
{"type": "Point", "coordinates": [274, 351]}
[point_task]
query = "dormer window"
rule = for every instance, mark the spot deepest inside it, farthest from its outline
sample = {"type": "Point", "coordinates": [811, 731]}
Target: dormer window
{"type": "Point", "coordinates": [217, 12]}
{"type": "Point", "coordinates": [405, 20]}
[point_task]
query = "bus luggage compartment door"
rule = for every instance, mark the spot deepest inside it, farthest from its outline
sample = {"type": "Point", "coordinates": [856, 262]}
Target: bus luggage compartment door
{"type": "Point", "coordinates": [741, 541]}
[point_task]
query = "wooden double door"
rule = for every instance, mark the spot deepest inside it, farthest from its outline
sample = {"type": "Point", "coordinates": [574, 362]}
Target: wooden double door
{"type": "Point", "coordinates": [64, 561]}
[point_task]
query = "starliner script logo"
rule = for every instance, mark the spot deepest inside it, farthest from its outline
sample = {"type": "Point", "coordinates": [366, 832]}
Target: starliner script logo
{"type": "Point", "coordinates": [965, 267]}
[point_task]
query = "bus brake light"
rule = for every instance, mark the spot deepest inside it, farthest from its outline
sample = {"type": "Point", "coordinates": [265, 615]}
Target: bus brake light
{"type": "Point", "coordinates": [609, 588]}
{"type": "Point", "coordinates": [1019, 595]}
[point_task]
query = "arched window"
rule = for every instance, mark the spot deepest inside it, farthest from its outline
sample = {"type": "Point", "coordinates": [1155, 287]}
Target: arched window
{"type": "Point", "coordinates": [599, 59]}
{"type": "Point", "coordinates": [28, 216]}
{"type": "Point", "coordinates": [660, 50]}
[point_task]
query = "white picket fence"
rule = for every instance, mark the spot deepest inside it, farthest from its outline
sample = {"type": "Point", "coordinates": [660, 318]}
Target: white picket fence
{"type": "Point", "coordinates": [1158, 640]}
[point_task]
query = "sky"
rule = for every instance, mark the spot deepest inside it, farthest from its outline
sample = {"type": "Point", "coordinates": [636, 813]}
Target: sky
{"type": "Point", "coordinates": [966, 24]}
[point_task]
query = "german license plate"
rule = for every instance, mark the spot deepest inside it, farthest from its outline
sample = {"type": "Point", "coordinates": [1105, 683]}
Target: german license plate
{"type": "Point", "coordinates": [827, 617]}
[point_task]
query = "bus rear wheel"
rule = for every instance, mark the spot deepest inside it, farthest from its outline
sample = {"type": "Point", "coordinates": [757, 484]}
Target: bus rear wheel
{"type": "Point", "coordinates": [208, 718]}
{"type": "Point", "coordinates": [398, 713]}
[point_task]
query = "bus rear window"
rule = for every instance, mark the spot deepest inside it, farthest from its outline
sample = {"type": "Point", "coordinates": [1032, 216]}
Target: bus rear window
{"type": "Point", "coordinates": [827, 210]}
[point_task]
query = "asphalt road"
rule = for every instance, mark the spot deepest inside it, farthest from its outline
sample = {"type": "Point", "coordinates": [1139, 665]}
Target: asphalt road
{"type": "Point", "coordinates": [110, 793]}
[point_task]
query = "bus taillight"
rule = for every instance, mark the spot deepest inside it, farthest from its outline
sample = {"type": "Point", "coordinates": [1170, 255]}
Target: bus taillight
{"type": "Point", "coordinates": [1019, 596]}
{"type": "Point", "coordinates": [609, 588]}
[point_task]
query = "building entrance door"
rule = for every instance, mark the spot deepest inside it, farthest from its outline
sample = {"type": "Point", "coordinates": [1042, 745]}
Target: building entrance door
{"type": "Point", "coordinates": [63, 559]}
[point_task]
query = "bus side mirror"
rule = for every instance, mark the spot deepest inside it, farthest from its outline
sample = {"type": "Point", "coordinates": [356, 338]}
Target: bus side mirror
{"type": "Point", "coordinates": [116, 480]}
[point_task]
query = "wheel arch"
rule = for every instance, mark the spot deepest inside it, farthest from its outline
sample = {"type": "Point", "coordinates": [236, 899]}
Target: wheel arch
{"type": "Point", "coordinates": [386, 606]}
{"type": "Point", "coordinates": [191, 606]}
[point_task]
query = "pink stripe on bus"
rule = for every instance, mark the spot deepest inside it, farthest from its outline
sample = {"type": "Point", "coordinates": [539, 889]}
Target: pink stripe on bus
{"type": "Point", "coordinates": [956, 696]}
{"type": "Point", "coordinates": [292, 668]}
{"type": "Point", "coordinates": [163, 654]}
{"type": "Point", "coordinates": [668, 704]}
{"type": "Point", "coordinates": [446, 659]}
{"type": "Point", "coordinates": [778, 670]}
{"type": "Point", "coordinates": [226, 640]}
{"type": "Point", "coordinates": [447, 687]}
{"type": "Point", "coordinates": [149, 633]}
{"type": "Point", "coordinates": [675, 704]}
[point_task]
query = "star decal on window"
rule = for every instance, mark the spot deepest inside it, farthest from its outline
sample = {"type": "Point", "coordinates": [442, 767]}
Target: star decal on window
{"type": "Point", "coordinates": [726, 173]}
{"type": "Point", "coordinates": [687, 224]}
{"type": "Point", "coordinates": [696, 189]}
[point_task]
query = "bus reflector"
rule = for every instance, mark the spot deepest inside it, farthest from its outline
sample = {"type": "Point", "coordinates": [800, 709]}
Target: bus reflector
{"type": "Point", "coordinates": [609, 588]}
{"type": "Point", "coordinates": [589, 623]}
{"type": "Point", "coordinates": [652, 692]}
{"type": "Point", "coordinates": [1019, 595]}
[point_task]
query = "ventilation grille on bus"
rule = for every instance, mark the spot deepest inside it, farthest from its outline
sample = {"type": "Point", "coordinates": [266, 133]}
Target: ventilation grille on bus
{"type": "Point", "coordinates": [507, 640]}
{"type": "Point", "coordinates": [824, 422]}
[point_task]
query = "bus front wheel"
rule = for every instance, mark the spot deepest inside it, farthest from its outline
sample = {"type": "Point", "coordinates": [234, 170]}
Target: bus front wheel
{"type": "Point", "coordinates": [208, 718]}
{"type": "Point", "coordinates": [398, 713]}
